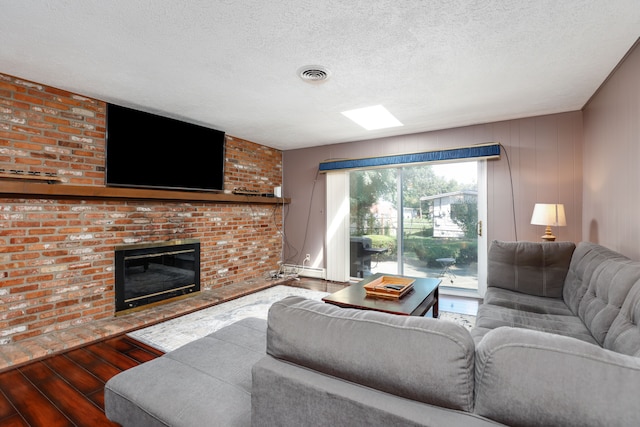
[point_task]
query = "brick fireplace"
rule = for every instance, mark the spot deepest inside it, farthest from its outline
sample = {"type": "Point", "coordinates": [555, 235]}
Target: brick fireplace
{"type": "Point", "coordinates": [57, 259]}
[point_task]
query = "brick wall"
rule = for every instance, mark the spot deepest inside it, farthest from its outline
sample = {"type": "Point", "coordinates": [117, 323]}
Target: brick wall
{"type": "Point", "coordinates": [57, 255]}
{"type": "Point", "coordinates": [255, 167]}
{"type": "Point", "coordinates": [46, 130]}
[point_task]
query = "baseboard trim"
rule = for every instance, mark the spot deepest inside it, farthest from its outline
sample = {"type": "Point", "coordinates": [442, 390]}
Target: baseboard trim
{"type": "Point", "coordinates": [304, 271]}
{"type": "Point", "coordinates": [459, 292]}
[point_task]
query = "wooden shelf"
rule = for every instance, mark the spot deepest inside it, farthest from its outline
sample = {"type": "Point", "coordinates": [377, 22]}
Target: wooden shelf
{"type": "Point", "coordinates": [28, 188]}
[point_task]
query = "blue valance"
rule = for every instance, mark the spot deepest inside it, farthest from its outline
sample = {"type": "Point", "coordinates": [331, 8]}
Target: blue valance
{"type": "Point", "coordinates": [483, 151]}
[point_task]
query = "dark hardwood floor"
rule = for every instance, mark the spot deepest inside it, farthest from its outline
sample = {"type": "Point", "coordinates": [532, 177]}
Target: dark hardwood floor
{"type": "Point", "coordinates": [68, 389]}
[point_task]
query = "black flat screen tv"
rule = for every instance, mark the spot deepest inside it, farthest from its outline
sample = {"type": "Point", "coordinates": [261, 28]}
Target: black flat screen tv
{"type": "Point", "coordinates": [150, 151]}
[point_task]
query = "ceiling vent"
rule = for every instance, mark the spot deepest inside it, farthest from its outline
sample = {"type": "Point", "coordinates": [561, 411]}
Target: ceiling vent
{"type": "Point", "coordinates": [313, 73]}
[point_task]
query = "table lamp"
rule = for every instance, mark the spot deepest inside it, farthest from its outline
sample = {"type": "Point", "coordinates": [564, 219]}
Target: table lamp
{"type": "Point", "coordinates": [548, 214]}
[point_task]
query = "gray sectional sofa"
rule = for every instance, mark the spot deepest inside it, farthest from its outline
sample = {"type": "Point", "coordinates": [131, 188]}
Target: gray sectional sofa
{"type": "Point", "coordinates": [556, 343]}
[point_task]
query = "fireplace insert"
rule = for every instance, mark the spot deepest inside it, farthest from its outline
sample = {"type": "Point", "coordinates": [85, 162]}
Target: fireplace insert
{"type": "Point", "coordinates": [153, 272]}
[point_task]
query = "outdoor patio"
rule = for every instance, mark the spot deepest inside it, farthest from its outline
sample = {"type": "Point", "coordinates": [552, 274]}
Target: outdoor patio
{"type": "Point", "coordinates": [460, 277]}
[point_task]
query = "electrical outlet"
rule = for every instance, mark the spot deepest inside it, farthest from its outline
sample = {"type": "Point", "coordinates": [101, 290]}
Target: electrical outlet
{"type": "Point", "coordinates": [307, 258]}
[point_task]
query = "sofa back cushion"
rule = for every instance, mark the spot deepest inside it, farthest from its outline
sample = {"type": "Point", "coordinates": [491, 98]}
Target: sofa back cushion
{"type": "Point", "coordinates": [624, 333]}
{"type": "Point", "coordinates": [529, 267]}
{"type": "Point", "coordinates": [417, 358]}
{"type": "Point", "coordinates": [585, 260]}
{"type": "Point", "coordinates": [607, 289]}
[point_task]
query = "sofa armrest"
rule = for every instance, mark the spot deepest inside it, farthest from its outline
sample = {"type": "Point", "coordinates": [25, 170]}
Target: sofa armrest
{"type": "Point", "coordinates": [529, 267]}
{"type": "Point", "coordinates": [526, 377]}
{"type": "Point", "coordinates": [423, 359]}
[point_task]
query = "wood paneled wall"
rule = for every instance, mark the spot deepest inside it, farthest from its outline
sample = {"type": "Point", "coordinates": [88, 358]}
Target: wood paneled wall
{"type": "Point", "coordinates": [546, 166]}
{"type": "Point", "coordinates": [612, 156]}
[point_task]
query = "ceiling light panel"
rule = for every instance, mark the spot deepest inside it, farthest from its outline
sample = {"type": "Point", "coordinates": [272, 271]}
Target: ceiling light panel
{"type": "Point", "coordinates": [372, 118]}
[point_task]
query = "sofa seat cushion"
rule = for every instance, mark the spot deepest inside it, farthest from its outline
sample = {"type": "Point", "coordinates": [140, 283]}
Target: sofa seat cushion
{"type": "Point", "coordinates": [532, 378]}
{"type": "Point", "coordinates": [525, 302]}
{"type": "Point", "coordinates": [528, 267]}
{"type": "Point", "coordinates": [494, 316]}
{"type": "Point", "coordinates": [477, 333]}
{"type": "Point", "coordinates": [423, 359]}
{"type": "Point", "coordinates": [205, 382]}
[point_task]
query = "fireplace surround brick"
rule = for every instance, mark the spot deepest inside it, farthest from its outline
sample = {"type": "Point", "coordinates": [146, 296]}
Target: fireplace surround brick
{"type": "Point", "coordinates": [57, 254]}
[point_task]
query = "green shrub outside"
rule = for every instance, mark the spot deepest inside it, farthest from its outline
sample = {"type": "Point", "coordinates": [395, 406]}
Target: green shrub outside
{"type": "Point", "coordinates": [427, 249]}
{"type": "Point", "coordinates": [388, 242]}
{"type": "Point", "coordinates": [468, 253]}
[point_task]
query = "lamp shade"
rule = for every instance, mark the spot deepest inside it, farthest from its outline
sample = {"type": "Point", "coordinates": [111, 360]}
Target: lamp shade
{"type": "Point", "coordinates": [548, 214]}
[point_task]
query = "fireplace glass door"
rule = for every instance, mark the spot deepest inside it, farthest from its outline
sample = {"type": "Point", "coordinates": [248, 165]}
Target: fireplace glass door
{"type": "Point", "coordinates": [150, 273]}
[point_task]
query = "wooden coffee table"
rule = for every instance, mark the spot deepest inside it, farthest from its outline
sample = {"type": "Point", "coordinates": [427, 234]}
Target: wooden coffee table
{"type": "Point", "coordinates": [416, 302]}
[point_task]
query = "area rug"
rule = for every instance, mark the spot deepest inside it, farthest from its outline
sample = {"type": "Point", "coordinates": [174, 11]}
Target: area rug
{"type": "Point", "coordinates": [170, 335]}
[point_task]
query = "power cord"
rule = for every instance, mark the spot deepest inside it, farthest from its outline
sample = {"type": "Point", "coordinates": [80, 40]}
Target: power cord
{"type": "Point", "coordinates": [513, 201]}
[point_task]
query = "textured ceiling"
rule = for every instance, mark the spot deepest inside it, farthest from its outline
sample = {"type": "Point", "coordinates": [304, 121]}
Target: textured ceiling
{"type": "Point", "coordinates": [232, 65]}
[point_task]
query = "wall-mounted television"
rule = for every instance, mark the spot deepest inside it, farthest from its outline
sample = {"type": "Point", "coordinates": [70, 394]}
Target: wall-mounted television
{"type": "Point", "coordinates": [150, 151]}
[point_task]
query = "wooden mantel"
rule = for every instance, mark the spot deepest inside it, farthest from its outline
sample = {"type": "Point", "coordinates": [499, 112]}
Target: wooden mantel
{"type": "Point", "coordinates": [24, 188]}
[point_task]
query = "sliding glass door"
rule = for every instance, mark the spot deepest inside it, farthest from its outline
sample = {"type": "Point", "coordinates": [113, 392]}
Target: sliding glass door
{"type": "Point", "coordinates": [420, 221]}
